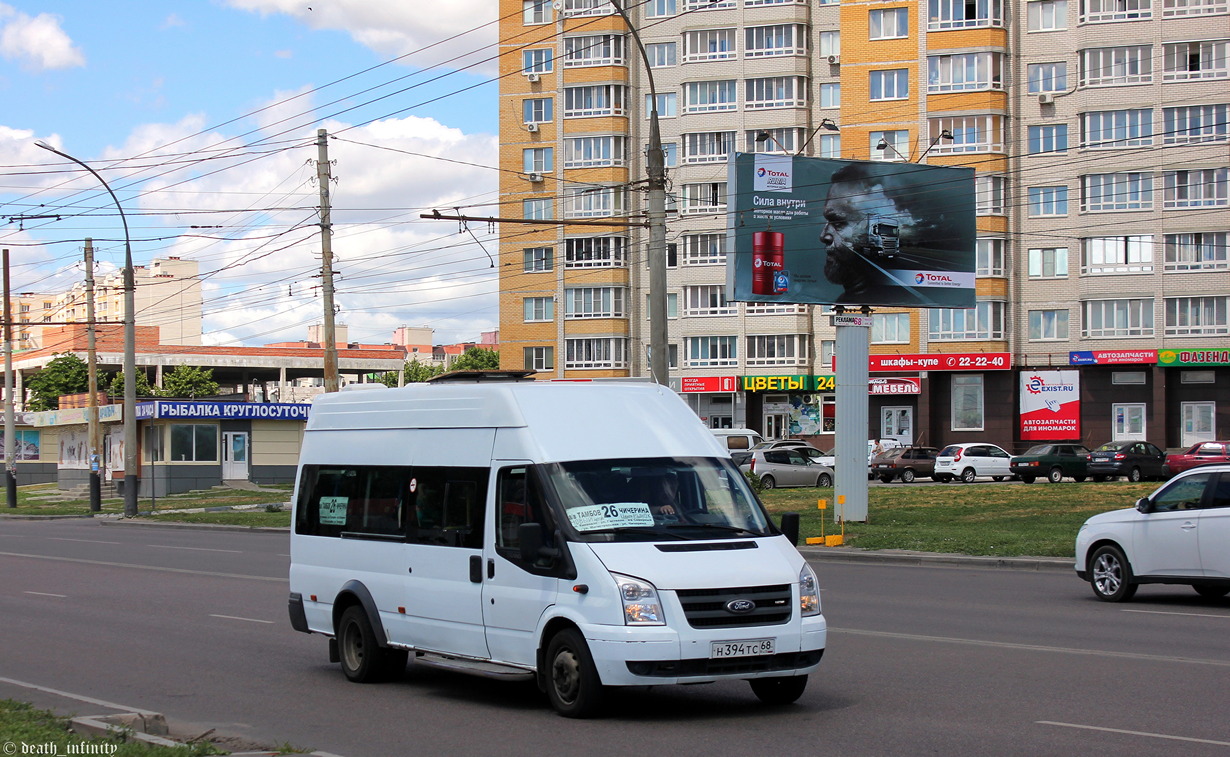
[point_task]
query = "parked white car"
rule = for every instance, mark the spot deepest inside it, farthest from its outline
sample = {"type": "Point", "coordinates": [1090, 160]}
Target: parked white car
{"type": "Point", "coordinates": [971, 461]}
{"type": "Point", "coordinates": [1176, 535]}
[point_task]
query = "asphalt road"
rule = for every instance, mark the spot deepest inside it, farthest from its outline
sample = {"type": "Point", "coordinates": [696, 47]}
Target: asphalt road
{"type": "Point", "coordinates": [922, 660]}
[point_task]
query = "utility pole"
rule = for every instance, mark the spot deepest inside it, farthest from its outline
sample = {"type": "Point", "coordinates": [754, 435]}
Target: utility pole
{"type": "Point", "coordinates": [95, 430]}
{"type": "Point", "coordinates": [326, 255]}
{"type": "Point", "coordinates": [10, 446]}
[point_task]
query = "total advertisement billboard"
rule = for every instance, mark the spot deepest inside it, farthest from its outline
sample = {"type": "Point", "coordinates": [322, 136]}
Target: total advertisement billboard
{"type": "Point", "coordinates": [1050, 405]}
{"type": "Point", "coordinates": [823, 231]}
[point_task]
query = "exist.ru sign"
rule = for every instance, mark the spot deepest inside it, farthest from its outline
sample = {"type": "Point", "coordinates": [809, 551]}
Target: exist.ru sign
{"type": "Point", "coordinates": [223, 410]}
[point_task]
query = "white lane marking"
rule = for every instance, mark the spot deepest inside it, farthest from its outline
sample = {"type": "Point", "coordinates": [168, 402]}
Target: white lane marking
{"type": "Point", "coordinates": [145, 567]}
{"type": "Point", "coordinates": [1187, 614]}
{"type": "Point", "coordinates": [236, 617]}
{"type": "Point", "coordinates": [195, 549]}
{"type": "Point", "coordinates": [78, 697]}
{"type": "Point", "coordinates": [45, 594]}
{"type": "Point", "coordinates": [1034, 647]}
{"type": "Point", "coordinates": [1134, 733]}
{"type": "Point", "coordinates": [87, 541]}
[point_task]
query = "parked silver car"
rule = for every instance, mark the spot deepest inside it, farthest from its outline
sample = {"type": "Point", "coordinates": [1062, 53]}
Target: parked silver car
{"type": "Point", "coordinates": [787, 466]}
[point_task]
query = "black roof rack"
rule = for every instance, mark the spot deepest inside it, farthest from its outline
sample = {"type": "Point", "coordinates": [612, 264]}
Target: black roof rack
{"type": "Point", "coordinates": [476, 377]}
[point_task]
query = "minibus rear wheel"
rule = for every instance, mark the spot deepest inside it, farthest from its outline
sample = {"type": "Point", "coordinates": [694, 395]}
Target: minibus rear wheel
{"type": "Point", "coordinates": [779, 690]}
{"type": "Point", "coordinates": [363, 659]}
{"type": "Point", "coordinates": [572, 680]}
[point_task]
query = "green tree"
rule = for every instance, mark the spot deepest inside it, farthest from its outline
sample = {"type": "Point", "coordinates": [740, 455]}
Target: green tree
{"type": "Point", "coordinates": [65, 374]}
{"type": "Point", "coordinates": [477, 359]}
{"type": "Point", "coordinates": [414, 372]}
{"type": "Point", "coordinates": [187, 381]}
{"type": "Point", "coordinates": [116, 387]}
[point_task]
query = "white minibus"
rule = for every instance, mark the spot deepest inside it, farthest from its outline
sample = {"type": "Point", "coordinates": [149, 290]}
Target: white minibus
{"type": "Point", "coordinates": [584, 535]}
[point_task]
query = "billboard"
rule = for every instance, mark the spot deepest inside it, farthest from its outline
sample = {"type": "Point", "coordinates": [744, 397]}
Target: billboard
{"type": "Point", "coordinates": [1050, 405]}
{"type": "Point", "coordinates": [822, 231]}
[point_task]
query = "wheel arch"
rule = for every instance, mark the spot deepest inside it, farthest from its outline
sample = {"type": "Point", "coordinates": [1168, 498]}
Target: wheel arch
{"type": "Point", "coordinates": [355, 593]}
{"type": "Point", "coordinates": [1105, 541]}
{"type": "Point", "coordinates": [552, 627]}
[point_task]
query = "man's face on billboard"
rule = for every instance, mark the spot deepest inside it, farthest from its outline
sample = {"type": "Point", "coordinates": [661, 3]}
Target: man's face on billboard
{"type": "Point", "coordinates": [846, 213]}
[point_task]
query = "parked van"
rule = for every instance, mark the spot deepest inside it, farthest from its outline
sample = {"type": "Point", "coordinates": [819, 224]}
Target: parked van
{"type": "Point", "coordinates": [737, 438]}
{"type": "Point", "coordinates": [586, 535]}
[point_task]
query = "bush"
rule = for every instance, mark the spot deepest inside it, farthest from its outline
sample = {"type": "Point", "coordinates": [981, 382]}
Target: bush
{"type": "Point", "coordinates": [753, 480]}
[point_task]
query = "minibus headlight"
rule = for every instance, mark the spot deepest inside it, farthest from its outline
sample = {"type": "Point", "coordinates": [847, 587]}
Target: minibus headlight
{"type": "Point", "coordinates": [641, 604]}
{"type": "Point", "coordinates": [809, 592]}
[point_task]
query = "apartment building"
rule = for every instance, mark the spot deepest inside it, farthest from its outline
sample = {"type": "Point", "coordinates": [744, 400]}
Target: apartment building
{"type": "Point", "coordinates": [1098, 131]}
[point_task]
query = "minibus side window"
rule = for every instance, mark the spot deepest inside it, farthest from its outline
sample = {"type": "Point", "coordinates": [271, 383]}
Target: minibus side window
{"type": "Point", "coordinates": [518, 501]}
{"type": "Point", "coordinates": [447, 505]}
{"type": "Point", "coordinates": [352, 501]}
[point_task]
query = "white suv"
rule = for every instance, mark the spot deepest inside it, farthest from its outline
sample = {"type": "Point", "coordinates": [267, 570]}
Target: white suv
{"type": "Point", "coordinates": [970, 461]}
{"type": "Point", "coordinates": [1176, 535]}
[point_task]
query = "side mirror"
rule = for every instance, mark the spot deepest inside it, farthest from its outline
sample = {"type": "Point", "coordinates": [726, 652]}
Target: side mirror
{"type": "Point", "coordinates": [1144, 505]}
{"type": "Point", "coordinates": [530, 536]}
{"type": "Point", "coordinates": [790, 527]}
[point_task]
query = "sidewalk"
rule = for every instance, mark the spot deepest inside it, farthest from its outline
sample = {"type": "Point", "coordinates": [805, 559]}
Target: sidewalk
{"type": "Point", "coordinates": [906, 557]}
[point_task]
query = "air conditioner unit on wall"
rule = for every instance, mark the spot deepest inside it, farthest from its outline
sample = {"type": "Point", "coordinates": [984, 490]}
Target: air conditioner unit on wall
{"type": "Point", "coordinates": [1046, 99]}
{"type": "Point", "coordinates": [531, 78]}
{"type": "Point", "coordinates": [834, 59]}
{"type": "Point", "coordinates": [535, 177]}
{"type": "Point", "coordinates": [530, 126]}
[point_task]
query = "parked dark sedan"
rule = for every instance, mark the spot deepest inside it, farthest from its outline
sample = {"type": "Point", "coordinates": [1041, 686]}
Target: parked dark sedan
{"type": "Point", "coordinates": [906, 463]}
{"type": "Point", "coordinates": [1055, 461]}
{"type": "Point", "coordinates": [1136, 460]}
{"type": "Point", "coordinates": [1199, 454]}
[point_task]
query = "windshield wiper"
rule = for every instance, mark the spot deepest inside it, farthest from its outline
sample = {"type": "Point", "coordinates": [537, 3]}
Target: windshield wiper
{"type": "Point", "coordinates": [633, 530]}
{"type": "Point", "coordinates": [720, 527]}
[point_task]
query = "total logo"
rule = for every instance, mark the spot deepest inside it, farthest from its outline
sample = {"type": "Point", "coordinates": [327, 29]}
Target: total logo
{"type": "Point", "coordinates": [762, 263]}
{"type": "Point", "coordinates": [931, 278]}
{"type": "Point", "coordinates": [1036, 385]}
{"type": "Point", "coordinates": [763, 172]}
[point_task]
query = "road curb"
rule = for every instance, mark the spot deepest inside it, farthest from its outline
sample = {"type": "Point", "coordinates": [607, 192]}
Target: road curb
{"type": "Point", "coordinates": [198, 526]}
{"type": "Point", "coordinates": [902, 557]}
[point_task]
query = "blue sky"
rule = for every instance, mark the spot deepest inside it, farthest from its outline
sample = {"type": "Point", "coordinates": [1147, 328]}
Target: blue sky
{"type": "Point", "coordinates": [144, 90]}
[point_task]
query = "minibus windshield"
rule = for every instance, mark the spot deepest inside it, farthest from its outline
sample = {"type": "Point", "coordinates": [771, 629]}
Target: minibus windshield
{"type": "Point", "coordinates": [656, 498]}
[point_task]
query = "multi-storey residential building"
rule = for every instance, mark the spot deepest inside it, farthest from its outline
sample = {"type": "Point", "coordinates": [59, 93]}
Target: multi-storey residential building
{"type": "Point", "coordinates": [1098, 131]}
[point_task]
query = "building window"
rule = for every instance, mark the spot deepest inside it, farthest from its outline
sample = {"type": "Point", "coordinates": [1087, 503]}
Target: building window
{"type": "Point", "coordinates": [1128, 377]}
{"type": "Point", "coordinates": [594, 50]}
{"type": "Point", "coordinates": [672, 307]}
{"type": "Point", "coordinates": [592, 152]}
{"type": "Point", "coordinates": [537, 110]}
{"type": "Point", "coordinates": [829, 146]}
{"type": "Point", "coordinates": [1048, 138]}
{"type": "Point", "coordinates": [1111, 66]}
{"type": "Point", "coordinates": [707, 5]}
{"type": "Point", "coordinates": [989, 195]}
{"type": "Point", "coordinates": [780, 141]}
{"type": "Point", "coordinates": [1047, 77]}
{"type": "Point", "coordinates": [1205, 188]}
{"type": "Point", "coordinates": [595, 252]}
{"type": "Point", "coordinates": [593, 201]}
{"type": "Point", "coordinates": [965, 73]}
{"type": "Point", "coordinates": [594, 302]}
{"type": "Point", "coordinates": [776, 92]}
{"type": "Point", "coordinates": [1197, 316]}
{"type": "Point", "coordinates": [967, 402]}
{"type": "Point", "coordinates": [539, 309]}
{"type": "Point", "coordinates": [1197, 377]}
{"type": "Point", "coordinates": [1048, 325]}
{"type": "Point", "coordinates": [970, 134]}
{"type": "Point", "coordinates": [830, 44]}
{"type": "Point", "coordinates": [668, 105]}
{"type": "Point", "coordinates": [597, 100]}
{"type": "Point", "coordinates": [989, 257]}
{"type": "Point", "coordinates": [753, 3]}
{"type": "Point", "coordinates": [712, 351]}
{"type": "Point", "coordinates": [1117, 128]}
{"type": "Point", "coordinates": [893, 84]}
{"type": "Point", "coordinates": [1195, 123]}
{"type": "Point", "coordinates": [1199, 251]}
{"type": "Point", "coordinates": [890, 23]}
{"type": "Point", "coordinates": [1048, 15]}
{"type": "Point", "coordinates": [1118, 318]}
{"type": "Point", "coordinates": [982, 322]}
{"type": "Point", "coordinates": [778, 39]}
{"type": "Point", "coordinates": [573, 8]}
{"type": "Point", "coordinates": [708, 147]}
{"type": "Point", "coordinates": [537, 61]}
{"type": "Point", "coordinates": [710, 96]}
{"type": "Point", "coordinates": [1048, 201]}
{"type": "Point", "coordinates": [539, 358]}
{"type": "Point", "coordinates": [1188, 61]}
{"type": "Point", "coordinates": [1111, 255]}
{"type": "Point", "coordinates": [537, 209]}
{"type": "Point", "coordinates": [662, 54]}
{"type": "Point", "coordinates": [1097, 11]}
{"type": "Point", "coordinates": [609, 352]}
{"type": "Point", "coordinates": [538, 160]}
{"type": "Point", "coordinates": [707, 300]}
{"type": "Point", "coordinates": [890, 328]}
{"type": "Point", "coordinates": [830, 95]}
{"type": "Point", "coordinates": [778, 349]}
{"type": "Point", "coordinates": [660, 8]}
{"type": "Point", "coordinates": [709, 197]}
{"type": "Point", "coordinates": [964, 14]}
{"type": "Point", "coordinates": [536, 11]}
{"type": "Point", "coordinates": [1102, 192]}
{"type": "Point", "coordinates": [896, 145]}
{"type": "Point", "coordinates": [774, 308]}
{"type": "Point", "coordinates": [194, 442]}
{"type": "Point", "coordinates": [538, 259]}
{"type": "Point", "coordinates": [1193, 7]}
{"type": "Point", "coordinates": [704, 249]}
{"type": "Point", "coordinates": [670, 154]}
{"type": "Point", "coordinates": [708, 44]}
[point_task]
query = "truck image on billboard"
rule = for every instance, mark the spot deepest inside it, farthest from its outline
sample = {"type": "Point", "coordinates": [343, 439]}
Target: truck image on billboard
{"type": "Point", "coordinates": [847, 232]}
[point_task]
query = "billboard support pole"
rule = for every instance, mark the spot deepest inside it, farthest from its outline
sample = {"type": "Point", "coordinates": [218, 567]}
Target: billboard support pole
{"type": "Point", "coordinates": [853, 351]}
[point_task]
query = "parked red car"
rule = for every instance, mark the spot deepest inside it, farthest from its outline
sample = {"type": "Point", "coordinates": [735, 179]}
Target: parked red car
{"type": "Point", "coordinates": [1199, 454]}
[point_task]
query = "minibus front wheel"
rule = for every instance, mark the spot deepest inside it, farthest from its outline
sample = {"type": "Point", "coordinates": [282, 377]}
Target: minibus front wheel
{"type": "Point", "coordinates": [779, 690]}
{"type": "Point", "coordinates": [572, 679]}
{"type": "Point", "coordinates": [363, 659]}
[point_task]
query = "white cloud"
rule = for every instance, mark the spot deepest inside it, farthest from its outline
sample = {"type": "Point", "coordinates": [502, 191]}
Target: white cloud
{"type": "Point", "coordinates": [37, 42]}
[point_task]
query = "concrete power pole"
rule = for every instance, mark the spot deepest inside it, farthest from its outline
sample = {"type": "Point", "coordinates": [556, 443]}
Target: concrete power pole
{"type": "Point", "coordinates": [326, 254]}
{"type": "Point", "coordinates": [92, 347]}
{"type": "Point", "coordinates": [10, 438]}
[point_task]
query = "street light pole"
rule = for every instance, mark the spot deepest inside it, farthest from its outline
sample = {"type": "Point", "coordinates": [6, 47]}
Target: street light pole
{"type": "Point", "coordinates": [655, 163]}
{"type": "Point", "coordinates": [130, 348]}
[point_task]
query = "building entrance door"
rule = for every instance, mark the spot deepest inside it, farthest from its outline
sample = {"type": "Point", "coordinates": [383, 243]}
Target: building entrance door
{"type": "Point", "coordinates": [897, 423]}
{"type": "Point", "coordinates": [1129, 425]}
{"type": "Point", "coordinates": [235, 456]}
{"type": "Point", "coordinates": [1198, 422]}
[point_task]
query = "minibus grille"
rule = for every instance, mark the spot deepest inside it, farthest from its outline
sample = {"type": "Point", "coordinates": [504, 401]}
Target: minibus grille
{"type": "Point", "coordinates": [710, 608]}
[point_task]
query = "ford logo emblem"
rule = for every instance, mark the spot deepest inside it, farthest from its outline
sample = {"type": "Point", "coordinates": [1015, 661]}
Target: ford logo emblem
{"type": "Point", "coordinates": [740, 606]}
